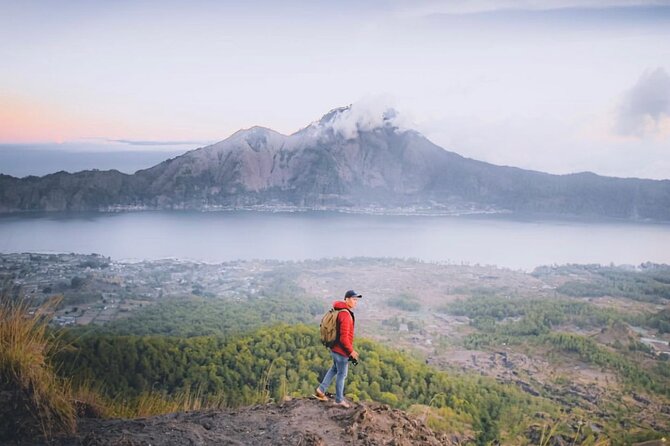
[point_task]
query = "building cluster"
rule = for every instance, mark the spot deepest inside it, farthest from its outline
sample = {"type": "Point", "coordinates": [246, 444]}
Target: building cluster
{"type": "Point", "coordinates": [96, 289]}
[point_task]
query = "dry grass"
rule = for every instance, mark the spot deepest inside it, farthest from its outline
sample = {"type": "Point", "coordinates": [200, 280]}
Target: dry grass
{"type": "Point", "coordinates": [25, 370]}
{"type": "Point", "coordinates": [92, 402]}
{"type": "Point", "coordinates": [157, 403]}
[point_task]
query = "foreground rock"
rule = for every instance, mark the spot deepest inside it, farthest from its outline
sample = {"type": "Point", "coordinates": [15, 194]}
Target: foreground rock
{"type": "Point", "coordinates": [298, 422]}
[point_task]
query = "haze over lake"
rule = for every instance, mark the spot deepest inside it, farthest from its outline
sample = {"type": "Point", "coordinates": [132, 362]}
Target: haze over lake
{"type": "Point", "coordinates": [246, 235]}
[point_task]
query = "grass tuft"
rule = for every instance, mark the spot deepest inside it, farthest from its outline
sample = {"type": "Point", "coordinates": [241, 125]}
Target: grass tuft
{"type": "Point", "coordinates": [157, 403]}
{"type": "Point", "coordinates": [33, 394]}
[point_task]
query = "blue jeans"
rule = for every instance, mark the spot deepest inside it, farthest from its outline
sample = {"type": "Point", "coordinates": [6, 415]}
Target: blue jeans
{"type": "Point", "coordinates": [340, 367]}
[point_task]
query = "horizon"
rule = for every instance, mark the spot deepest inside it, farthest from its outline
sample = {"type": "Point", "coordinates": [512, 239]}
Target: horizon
{"type": "Point", "coordinates": [557, 87]}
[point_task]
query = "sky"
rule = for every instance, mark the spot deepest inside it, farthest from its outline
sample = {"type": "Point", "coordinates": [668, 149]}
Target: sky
{"type": "Point", "coordinates": [556, 86]}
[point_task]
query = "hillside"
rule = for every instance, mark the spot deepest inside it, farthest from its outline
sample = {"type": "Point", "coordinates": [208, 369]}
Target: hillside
{"type": "Point", "coordinates": [338, 164]}
{"type": "Point", "coordinates": [299, 422]}
{"type": "Point", "coordinates": [480, 352]}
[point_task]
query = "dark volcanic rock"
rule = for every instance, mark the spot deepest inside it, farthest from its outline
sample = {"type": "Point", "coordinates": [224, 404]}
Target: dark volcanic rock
{"type": "Point", "coordinates": [17, 420]}
{"type": "Point", "coordinates": [296, 422]}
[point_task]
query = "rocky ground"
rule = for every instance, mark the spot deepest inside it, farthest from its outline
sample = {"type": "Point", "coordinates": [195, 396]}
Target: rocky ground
{"type": "Point", "coordinates": [298, 422]}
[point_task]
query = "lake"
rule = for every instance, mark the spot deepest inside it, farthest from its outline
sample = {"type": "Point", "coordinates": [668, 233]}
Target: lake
{"type": "Point", "coordinates": [222, 236]}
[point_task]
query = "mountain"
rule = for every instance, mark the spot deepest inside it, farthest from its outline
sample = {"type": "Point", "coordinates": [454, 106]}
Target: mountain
{"type": "Point", "coordinates": [343, 161]}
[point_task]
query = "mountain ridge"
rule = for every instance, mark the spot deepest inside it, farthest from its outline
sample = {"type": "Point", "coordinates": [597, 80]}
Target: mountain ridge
{"type": "Point", "coordinates": [348, 160]}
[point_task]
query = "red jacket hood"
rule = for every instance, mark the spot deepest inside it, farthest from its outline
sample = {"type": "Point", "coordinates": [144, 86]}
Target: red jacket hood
{"type": "Point", "coordinates": [340, 305]}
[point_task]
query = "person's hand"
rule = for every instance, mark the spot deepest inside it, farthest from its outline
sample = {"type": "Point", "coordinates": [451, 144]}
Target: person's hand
{"type": "Point", "coordinates": [354, 355]}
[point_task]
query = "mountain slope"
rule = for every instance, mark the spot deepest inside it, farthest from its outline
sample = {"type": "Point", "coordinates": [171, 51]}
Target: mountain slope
{"type": "Point", "coordinates": [340, 161]}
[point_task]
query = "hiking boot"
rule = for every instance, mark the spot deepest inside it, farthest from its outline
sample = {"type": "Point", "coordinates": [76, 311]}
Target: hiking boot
{"type": "Point", "coordinates": [343, 404]}
{"type": "Point", "coordinates": [319, 395]}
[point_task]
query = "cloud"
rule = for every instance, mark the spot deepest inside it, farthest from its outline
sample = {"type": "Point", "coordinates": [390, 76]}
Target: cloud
{"type": "Point", "coordinates": [363, 116]}
{"type": "Point", "coordinates": [133, 142]}
{"type": "Point", "coordinates": [430, 7]}
{"type": "Point", "coordinates": [646, 106]}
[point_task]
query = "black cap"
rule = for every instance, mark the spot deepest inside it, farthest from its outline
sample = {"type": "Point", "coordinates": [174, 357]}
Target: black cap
{"type": "Point", "coordinates": [352, 293]}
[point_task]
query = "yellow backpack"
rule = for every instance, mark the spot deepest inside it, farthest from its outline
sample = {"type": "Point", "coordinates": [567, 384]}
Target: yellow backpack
{"type": "Point", "coordinates": [329, 328]}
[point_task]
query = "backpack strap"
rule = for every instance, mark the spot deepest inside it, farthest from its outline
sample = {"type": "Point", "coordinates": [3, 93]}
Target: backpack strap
{"type": "Point", "coordinates": [337, 328]}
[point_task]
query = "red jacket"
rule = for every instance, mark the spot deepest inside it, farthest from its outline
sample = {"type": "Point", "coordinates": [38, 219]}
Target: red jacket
{"type": "Point", "coordinates": [345, 321]}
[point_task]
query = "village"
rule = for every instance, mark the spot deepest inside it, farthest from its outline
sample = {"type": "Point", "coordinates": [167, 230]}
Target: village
{"type": "Point", "coordinates": [97, 290]}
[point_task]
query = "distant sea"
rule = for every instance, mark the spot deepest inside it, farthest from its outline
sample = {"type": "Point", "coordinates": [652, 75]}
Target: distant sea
{"type": "Point", "coordinates": [21, 160]}
{"type": "Point", "coordinates": [231, 235]}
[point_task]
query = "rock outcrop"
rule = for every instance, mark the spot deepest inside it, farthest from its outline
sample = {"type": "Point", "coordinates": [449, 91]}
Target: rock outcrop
{"type": "Point", "coordinates": [296, 422]}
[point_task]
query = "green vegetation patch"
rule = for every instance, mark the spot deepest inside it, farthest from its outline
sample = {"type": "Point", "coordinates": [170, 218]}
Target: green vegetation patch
{"type": "Point", "coordinates": [405, 302]}
{"type": "Point", "coordinates": [659, 321]}
{"type": "Point", "coordinates": [591, 352]}
{"type": "Point", "coordinates": [530, 316]}
{"type": "Point", "coordinates": [648, 283]}
{"type": "Point", "coordinates": [193, 316]}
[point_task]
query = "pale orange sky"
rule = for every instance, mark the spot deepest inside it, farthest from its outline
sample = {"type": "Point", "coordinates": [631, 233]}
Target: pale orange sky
{"type": "Point", "coordinates": [25, 121]}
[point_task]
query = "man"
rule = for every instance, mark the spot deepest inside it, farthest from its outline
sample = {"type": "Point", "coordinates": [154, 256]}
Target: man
{"type": "Point", "coordinates": [343, 350]}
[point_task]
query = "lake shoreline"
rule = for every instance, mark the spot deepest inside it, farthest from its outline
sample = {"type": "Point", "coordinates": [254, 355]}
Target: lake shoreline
{"type": "Point", "coordinates": [400, 212]}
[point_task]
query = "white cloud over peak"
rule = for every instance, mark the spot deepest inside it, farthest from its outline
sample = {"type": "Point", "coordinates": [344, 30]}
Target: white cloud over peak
{"type": "Point", "coordinates": [645, 108]}
{"type": "Point", "coordinates": [366, 115]}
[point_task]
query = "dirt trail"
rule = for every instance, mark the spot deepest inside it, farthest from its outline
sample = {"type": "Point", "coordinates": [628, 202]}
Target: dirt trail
{"type": "Point", "coordinates": [300, 422]}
